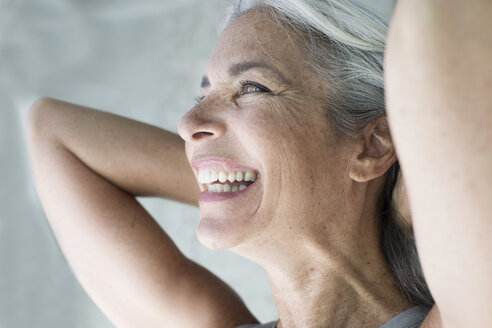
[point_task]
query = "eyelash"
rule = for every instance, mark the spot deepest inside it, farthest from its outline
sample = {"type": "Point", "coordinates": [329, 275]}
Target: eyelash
{"type": "Point", "coordinates": [242, 85]}
{"type": "Point", "coordinates": [198, 99]}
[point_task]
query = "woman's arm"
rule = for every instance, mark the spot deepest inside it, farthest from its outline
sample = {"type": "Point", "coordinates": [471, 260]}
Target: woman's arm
{"type": "Point", "coordinates": [142, 159]}
{"type": "Point", "coordinates": [88, 166]}
{"type": "Point", "coordinates": [439, 97]}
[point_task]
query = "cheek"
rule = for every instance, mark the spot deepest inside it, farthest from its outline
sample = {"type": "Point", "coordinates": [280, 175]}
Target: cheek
{"type": "Point", "coordinates": [270, 130]}
{"type": "Point", "coordinates": [272, 118]}
{"type": "Point", "coordinates": [287, 138]}
{"type": "Point", "coordinates": [281, 124]}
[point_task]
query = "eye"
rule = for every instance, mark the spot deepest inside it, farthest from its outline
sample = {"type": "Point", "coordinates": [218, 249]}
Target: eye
{"type": "Point", "coordinates": [251, 87]}
{"type": "Point", "coordinates": [198, 99]}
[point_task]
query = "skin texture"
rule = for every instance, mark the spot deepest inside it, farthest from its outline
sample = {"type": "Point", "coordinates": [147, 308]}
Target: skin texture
{"type": "Point", "coordinates": [441, 116]}
{"type": "Point", "coordinates": [312, 224]}
{"type": "Point", "coordinates": [401, 202]}
{"type": "Point", "coordinates": [88, 166]}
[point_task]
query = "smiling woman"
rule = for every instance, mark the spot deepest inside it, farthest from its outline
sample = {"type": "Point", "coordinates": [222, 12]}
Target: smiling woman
{"type": "Point", "coordinates": [301, 127]}
{"type": "Point", "coordinates": [292, 165]}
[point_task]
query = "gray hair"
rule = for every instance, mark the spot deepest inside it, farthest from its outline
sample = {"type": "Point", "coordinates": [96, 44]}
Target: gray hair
{"type": "Point", "coordinates": [344, 43]}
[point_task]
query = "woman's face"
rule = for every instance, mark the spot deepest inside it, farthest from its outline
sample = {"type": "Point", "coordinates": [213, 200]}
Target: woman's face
{"type": "Point", "coordinates": [262, 111]}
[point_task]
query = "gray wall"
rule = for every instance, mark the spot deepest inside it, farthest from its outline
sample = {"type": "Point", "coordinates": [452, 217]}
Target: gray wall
{"type": "Point", "coordinates": [141, 59]}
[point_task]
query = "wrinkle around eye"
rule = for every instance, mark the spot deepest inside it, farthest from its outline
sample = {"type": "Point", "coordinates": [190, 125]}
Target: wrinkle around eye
{"type": "Point", "coordinates": [236, 91]}
{"type": "Point", "coordinates": [286, 97]}
{"type": "Point", "coordinates": [254, 98]}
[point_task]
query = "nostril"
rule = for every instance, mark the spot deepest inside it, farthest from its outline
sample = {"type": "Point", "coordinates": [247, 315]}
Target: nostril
{"type": "Point", "coordinates": [201, 134]}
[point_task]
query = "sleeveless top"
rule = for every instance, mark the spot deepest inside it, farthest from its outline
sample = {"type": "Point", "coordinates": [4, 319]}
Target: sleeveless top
{"type": "Point", "coordinates": [411, 318]}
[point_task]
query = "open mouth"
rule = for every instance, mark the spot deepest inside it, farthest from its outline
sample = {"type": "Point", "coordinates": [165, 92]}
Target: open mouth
{"type": "Point", "coordinates": [226, 180]}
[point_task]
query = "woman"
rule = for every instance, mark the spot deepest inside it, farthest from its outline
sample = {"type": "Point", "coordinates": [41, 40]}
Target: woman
{"type": "Point", "coordinates": [296, 169]}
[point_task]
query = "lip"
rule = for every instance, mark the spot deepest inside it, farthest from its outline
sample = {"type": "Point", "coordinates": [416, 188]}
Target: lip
{"type": "Point", "coordinates": [206, 196]}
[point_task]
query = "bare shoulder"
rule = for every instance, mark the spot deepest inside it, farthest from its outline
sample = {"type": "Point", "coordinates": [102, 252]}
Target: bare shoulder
{"type": "Point", "coordinates": [433, 319]}
{"type": "Point", "coordinates": [209, 301]}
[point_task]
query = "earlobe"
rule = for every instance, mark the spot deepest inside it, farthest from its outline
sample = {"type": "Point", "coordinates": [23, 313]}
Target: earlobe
{"type": "Point", "coordinates": [376, 152]}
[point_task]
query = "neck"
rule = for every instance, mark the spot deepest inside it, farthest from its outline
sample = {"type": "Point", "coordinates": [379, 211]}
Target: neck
{"type": "Point", "coordinates": [333, 274]}
{"type": "Point", "coordinates": [314, 285]}
{"type": "Point", "coordinates": [320, 293]}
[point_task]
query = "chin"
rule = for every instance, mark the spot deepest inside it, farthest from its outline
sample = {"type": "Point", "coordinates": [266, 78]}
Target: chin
{"type": "Point", "coordinates": [216, 233]}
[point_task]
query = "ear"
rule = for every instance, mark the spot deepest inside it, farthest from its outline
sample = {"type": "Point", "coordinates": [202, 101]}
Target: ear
{"type": "Point", "coordinates": [375, 152]}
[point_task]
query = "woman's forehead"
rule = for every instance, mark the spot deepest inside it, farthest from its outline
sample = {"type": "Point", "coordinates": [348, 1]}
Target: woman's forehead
{"type": "Point", "coordinates": [258, 37]}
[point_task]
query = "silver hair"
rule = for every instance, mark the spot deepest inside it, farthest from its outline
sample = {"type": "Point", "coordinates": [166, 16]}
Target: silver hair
{"type": "Point", "coordinates": [344, 42]}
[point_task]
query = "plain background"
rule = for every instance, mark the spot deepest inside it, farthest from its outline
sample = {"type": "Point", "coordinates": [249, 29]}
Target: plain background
{"type": "Point", "coordinates": [140, 59]}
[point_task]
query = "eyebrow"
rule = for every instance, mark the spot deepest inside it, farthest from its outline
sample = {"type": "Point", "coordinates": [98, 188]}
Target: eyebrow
{"type": "Point", "coordinates": [242, 67]}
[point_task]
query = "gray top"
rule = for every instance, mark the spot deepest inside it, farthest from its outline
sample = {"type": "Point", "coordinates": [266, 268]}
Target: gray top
{"type": "Point", "coordinates": [411, 318]}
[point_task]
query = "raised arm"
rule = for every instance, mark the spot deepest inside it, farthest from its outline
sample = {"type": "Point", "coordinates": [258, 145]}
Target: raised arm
{"type": "Point", "coordinates": [438, 87]}
{"type": "Point", "coordinates": [88, 167]}
{"type": "Point", "coordinates": [139, 158]}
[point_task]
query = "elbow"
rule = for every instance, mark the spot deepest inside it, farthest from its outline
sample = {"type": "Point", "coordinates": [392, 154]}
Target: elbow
{"type": "Point", "coordinates": [38, 121]}
{"type": "Point", "coordinates": [34, 120]}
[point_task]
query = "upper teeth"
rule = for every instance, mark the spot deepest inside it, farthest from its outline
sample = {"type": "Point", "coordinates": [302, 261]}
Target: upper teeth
{"type": "Point", "coordinates": [210, 175]}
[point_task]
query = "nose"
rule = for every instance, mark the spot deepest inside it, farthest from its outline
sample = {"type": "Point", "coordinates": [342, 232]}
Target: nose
{"type": "Point", "coordinates": [196, 126]}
